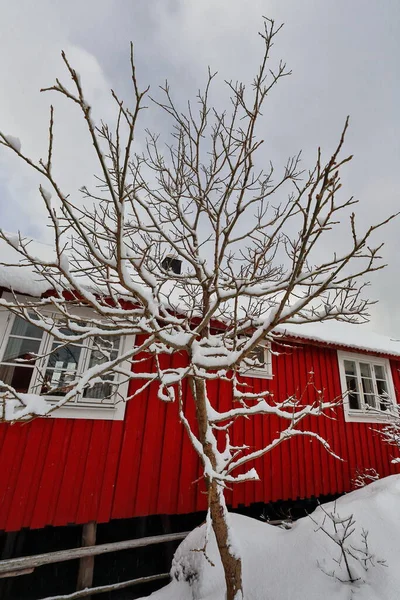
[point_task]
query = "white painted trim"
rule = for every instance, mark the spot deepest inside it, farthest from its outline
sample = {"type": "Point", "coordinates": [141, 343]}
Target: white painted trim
{"type": "Point", "coordinates": [365, 416]}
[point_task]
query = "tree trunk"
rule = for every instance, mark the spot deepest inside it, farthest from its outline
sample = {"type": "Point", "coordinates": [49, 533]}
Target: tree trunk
{"type": "Point", "coordinates": [231, 562]}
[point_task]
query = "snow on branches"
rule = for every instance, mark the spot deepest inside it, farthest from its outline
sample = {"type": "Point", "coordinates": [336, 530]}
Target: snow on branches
{"type": "Point", "coordinates": [250, 260]}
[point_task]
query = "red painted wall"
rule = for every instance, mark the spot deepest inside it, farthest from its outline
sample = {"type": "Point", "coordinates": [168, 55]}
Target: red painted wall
{"type": "Point", "coordinates": [60, 471]}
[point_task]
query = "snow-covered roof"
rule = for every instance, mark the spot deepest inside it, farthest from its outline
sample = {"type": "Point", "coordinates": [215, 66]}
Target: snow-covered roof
{"type": "Point", "coordinates": [21, 278]}
{"type": "Point", "coordinates": [17, 275]}
{"type": "Point", "coordinates": [343, 335]}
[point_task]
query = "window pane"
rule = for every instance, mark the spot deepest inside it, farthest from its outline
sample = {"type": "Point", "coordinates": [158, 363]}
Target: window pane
{"type": "Point", "coordinates": [369, 399]}
{"type": "Point", "coordinates": [18, 377]}
{"type": "Point", "coordinates": [365, 370]}
{"type": "Point", "coordinates": [103, 350]}
{"type": "Point", "coordinates": [368, 386]}
{"type": "Point", "coordinates": [258, 357]}
{"type": "Point", "coordinates": [101, 391]}
{"type": "Point", "coordinates": [382, 388]}
{"type": "Point", "coordinates": [379, 372]}
{"type": "Point", "coordinates": [383, 394]}
{"type": "Point", "coordinates": [64, 357]}
{"type": "Point", "coordinates": [25, 329]}
{"type": "Point", "coordinates": [353, 392]}
{"type": "Point", "coordinates": [350, 367]}
{"type": "Point", "coordinates": [354, 401]}
{"type": "Point", "coordinates": [22, 349]}
{"type": "Point", "coordinates": [57, 381]}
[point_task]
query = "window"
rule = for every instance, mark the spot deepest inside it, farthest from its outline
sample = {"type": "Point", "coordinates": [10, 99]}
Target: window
{"type": "Point", "coordinates": [172, 264]}
{"type": "Point", "coordinates": [51, 376]}
{"type": "Point", "coordinates": [258, 363]}
{"type": "Point", "coordinates": [367, 387]}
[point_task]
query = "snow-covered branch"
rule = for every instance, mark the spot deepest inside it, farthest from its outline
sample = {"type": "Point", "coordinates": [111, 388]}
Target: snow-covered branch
{"type": "Point", "coordinates": [196, 246]}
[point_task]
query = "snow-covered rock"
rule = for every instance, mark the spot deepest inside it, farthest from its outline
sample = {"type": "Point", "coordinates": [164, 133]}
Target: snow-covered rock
{"type": "Point", "coordinates": [283, 564]}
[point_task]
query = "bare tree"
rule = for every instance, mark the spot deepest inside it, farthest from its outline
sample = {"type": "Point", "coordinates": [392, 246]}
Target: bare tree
{"type": "Point", "coordinates": [250, 262]}
{"type": "Point", "coordinates": [389, 433]}
{"type": "Point", "coordinates": [354, 550]}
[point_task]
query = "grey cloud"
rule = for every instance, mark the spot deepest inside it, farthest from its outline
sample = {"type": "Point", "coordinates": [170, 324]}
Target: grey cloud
{"type": "Point", "coordinates": [344, 57]}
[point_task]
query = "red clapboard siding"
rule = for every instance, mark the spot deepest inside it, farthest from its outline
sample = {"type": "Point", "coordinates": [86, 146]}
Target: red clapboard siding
{"type": "Point", "coordinates": [61, 471]}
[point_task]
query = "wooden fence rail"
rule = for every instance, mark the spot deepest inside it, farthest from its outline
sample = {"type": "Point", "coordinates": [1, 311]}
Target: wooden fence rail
{"type": "Point", "coordinates": [108, 588]}
{"type": "Point", "coordinates": [26, 564]}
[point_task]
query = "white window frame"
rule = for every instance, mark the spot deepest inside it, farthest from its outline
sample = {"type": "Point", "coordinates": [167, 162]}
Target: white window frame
{"type": "Point", "coordinates": [83, 408]}
{"type": "Point", "coordinates": [365, 415]}
{"type": "Point", "coordinates": [259, 372]}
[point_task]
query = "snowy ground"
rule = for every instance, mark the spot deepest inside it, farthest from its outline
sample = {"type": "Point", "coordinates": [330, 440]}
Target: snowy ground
{"type": "Point", "coordinates": [288, 564]}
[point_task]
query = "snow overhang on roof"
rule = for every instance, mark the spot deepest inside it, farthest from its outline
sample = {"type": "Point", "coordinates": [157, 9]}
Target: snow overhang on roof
{"type": "Point", "coordinates": [16, 275]}
{"type": "Point", "coordinates": [343, 335]}
{"type": "Point", "coordinates": [19, 277]}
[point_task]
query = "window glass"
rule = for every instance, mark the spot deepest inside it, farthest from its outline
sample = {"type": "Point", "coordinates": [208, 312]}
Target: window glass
{"type": "Point", "coordinates": [367, 385]}
{"type": "Point", "coordinates": [382, 386]}
{"type": "Point", "coordinates": [20, 349]}
{"type": "Point", "coordinates": [350, 367]}
{"type": "Point", "coordinates": [65, 357]}
{"type": "Point", "coordinates": [258, 355]}
{"type": "Point", "coordinates": [379, 372]}
{"type": "Point", "coordinates": [103, 350]}
{"type": "Point", "coordinates": [25, 329]}
{"type": "Point", "coordinates": [352, 384]}
{"type": "Point", "coordinates": [61, 369]}
{"type": "Point", "coordinates": [18, 377]}
{"type": "Point", "coordinates": [19, 355]}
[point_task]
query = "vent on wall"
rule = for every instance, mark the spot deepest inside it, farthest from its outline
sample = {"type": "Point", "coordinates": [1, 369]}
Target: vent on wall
{"type": "Point", "coordinates": [170, 263]}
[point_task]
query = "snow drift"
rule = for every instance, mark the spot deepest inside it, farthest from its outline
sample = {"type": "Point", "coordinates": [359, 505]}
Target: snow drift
{"type": "Point", "coordinates": [283, 564]}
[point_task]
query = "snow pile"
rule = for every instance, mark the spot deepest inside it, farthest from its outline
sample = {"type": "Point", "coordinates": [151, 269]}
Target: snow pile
{"type": "Point", "coordinates": [289, 564]}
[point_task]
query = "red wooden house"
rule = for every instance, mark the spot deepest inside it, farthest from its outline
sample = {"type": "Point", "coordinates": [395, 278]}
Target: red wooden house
{"type": "Point", "coordinates": [97, 461]}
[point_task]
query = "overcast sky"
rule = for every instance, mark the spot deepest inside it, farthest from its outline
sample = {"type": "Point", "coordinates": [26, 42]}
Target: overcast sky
{"type": "Point", "coordinates": [344, 55]}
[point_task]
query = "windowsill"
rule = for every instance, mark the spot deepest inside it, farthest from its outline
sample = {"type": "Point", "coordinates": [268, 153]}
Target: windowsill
{"type": "Point", "coordinates": [108, 413]}
{"type": "Point", "coordinates": [255, 374]}
{"type": "Point", "coordinates": [366, 417]}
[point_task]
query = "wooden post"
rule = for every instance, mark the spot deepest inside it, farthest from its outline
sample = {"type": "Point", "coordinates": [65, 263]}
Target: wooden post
{"type": "Point", "coordinates": [86, 563]}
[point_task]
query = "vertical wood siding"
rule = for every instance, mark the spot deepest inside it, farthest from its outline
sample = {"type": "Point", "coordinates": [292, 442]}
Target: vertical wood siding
{"type": "Point", "coordinates": [61, 471]}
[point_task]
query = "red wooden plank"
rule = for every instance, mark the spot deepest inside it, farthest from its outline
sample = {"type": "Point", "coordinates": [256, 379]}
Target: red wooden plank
{"type": "Point", "coordinates": [42, 430]}
{"type": "Point", "coordinates": [322, 465]}
{"type": "Point", "coordinates": [279, 371]}
{"type": "Point", "coordinates": [133, 444]}
{"type": "Point", "coordinates": [69, 487]}
{"type": "Point", "coordinates": [63, 429]}
{"type": "Point", "coordinates": [87, 427]}
{"type": "Point", "coordinates": [167, 500]}
{"type": "Point", "coordinates": [331, 381]}
{"type": "Point", "coordinates": [189, 462]}
{"type": "Point", "coordinates": [91, 489]}
{"type": "Point", "coordinates": [3, 433]}
{"type": "Point", "coordinates": [25, 480]}
{"type": "Point", "coordinates": [238, 439]}
{"type": "Point", "coordinates": [51, 475]}
{"type": "Point", "coordinates": [295, 382]}
{"type": "Point", "coordinates": [110, 473]}
{"type": "Point", "coordinates": [10, 460]}
{"type": "Point", "coordinates": [149, 458]}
